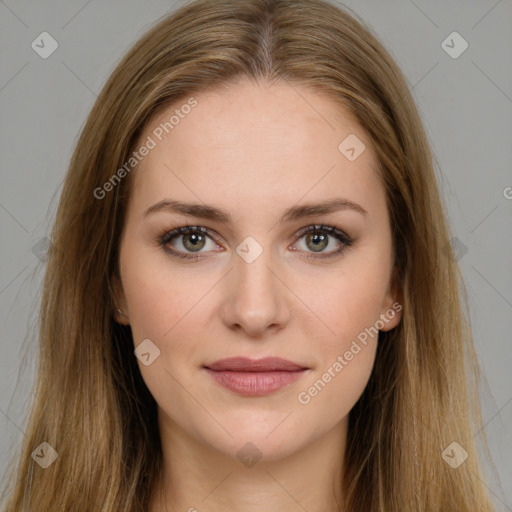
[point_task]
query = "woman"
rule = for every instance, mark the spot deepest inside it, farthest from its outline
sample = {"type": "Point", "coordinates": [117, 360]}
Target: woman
{"type": "Point", "coordinates": [310, 355]}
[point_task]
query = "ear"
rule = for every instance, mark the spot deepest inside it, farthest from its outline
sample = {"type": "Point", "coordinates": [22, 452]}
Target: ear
{"type": "Point", "coordinates": [392, 306]}
{"type": "Point", "coordinates": [120, 301]}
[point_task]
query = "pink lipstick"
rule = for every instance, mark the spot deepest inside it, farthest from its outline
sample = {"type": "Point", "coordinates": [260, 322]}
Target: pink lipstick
{"type": "Point", "coordinates": [255, 377]}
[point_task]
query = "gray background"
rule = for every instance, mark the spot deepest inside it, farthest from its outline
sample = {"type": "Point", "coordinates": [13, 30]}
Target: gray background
{"type": "Point", "coordinates": [466, 104]}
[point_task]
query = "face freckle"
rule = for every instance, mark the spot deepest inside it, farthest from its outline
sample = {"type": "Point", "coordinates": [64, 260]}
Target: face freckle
{"type": "Point", "coordinates": [254, 289]}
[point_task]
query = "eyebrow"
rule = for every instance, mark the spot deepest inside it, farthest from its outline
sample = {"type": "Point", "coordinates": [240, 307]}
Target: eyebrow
{"type": "Point", "coordinates": [205, 211]}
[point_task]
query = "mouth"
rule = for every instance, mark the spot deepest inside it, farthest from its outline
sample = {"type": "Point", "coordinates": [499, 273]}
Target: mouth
{"type": "Point", "coordinates": [258, 377]}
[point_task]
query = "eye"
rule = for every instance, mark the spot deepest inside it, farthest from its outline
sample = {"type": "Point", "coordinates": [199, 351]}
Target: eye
{"type": "Point", "coordinates": [317, 237]}
{"type": "Point", "coordinates": [193, 239]}
{"type": "Point", "coordinates": [188, 241]}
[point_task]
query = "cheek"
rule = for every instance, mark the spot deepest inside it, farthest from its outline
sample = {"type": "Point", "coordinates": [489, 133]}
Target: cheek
{"type": "Point", "coordinates": [335, 389]}
{"type": "Point", "coordinates": [345, 350]}
{"type": "Point", "coordinates": [169, 307]}
{"type": "Point", "coordinates": [163, 308]}
{"type": "Point", "coordinates": [342, 304]}
{"type": "Point", "coordinates": [161, 298]}
{"type": "Point", "coordinates": [345, 353]}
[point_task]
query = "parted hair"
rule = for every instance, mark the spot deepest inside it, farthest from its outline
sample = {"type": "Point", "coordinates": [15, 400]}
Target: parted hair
{"type": "Point", "coordinates": [90, 402]}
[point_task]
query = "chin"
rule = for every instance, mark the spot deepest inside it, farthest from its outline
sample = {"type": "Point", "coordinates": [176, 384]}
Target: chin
{"type": "Point", "coordinates": [262, 440]}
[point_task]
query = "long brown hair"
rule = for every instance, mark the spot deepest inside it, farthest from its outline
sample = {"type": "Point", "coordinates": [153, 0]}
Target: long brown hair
{"type": "Point", "coordinates": [90, 402]}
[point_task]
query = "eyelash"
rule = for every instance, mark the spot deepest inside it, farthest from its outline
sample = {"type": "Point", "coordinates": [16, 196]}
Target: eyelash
{"type": "Point", "coordinates": [167, 236]}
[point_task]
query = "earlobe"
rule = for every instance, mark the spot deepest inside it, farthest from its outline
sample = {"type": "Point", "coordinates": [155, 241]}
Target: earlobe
{"type": "Point", "coordinates": [393, 305]}
{"type": "Point", "coordinates": [391, 316]}
{"type": "Point", "coordinates": [120, 317]}
{"type": "Point", "coordinates": [119, 313]}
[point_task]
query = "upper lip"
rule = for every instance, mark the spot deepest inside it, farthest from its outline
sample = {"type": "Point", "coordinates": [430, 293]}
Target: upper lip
{"type": "Point", "coordinates": [245, 364]}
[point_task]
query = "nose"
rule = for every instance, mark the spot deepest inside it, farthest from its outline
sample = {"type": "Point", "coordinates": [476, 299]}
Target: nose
{"type": "Point", "coordinates": [256, 297]}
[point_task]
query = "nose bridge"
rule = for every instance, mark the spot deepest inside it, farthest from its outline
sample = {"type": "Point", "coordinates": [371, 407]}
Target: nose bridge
{"type": "Point", "coordinates": [255, 276]}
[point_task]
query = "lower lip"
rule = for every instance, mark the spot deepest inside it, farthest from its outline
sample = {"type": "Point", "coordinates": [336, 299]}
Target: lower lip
{"type": "Point", "coordinates": [255, 383]}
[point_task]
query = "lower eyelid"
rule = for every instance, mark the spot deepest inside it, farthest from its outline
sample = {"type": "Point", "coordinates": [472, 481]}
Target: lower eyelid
{"type": "Point", "coordinates": [345, 241]}
{"type": "Point", "coordinates": [180, 235]}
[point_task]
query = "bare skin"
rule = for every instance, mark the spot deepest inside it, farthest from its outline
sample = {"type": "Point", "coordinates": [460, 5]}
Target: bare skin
{"type": "Point", "coordinates": [255, 151]}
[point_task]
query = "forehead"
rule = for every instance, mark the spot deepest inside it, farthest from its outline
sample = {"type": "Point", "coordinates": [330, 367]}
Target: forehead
{"type": "Point", "coordinates": [255, 145]}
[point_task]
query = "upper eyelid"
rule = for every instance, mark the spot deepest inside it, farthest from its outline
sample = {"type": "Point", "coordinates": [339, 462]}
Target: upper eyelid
{"type": "Point", "coordinates": [331, 230]}
{"type": "Point", "coordinates": [344, 239]}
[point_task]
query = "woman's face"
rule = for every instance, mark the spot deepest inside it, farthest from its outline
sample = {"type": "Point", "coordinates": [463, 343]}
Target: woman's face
{"type": "Point", "coordinates": [251, 284]}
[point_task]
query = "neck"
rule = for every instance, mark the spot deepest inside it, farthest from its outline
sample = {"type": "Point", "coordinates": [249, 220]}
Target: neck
{"type": "Point", "coordinates": [199, 478]}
